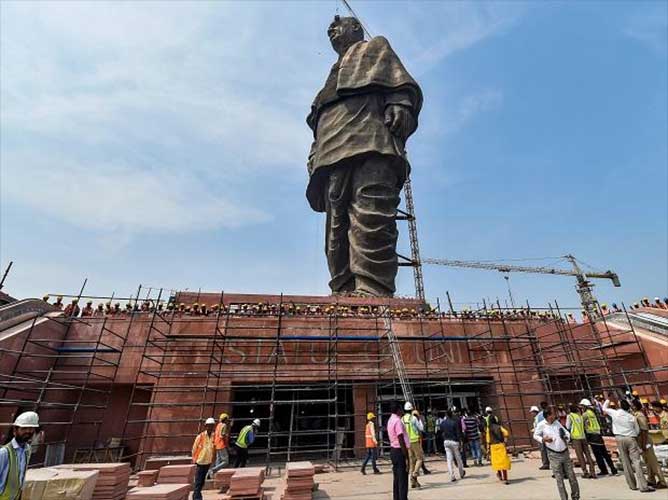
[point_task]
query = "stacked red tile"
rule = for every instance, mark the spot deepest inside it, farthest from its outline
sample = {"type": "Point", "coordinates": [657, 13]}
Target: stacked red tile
{"type": "Point", "coordinates": [112, 480]}
{"type": "Point", "coordinates": [246, 484]}
{"type": "Point", "coordinates": [222, 478]}
{"type": "Point", "coordinates": [160, 492]}
{"type": "Point", "coordinates": [299, 481]}
{"type": "Point", "coordinates": [146, 478]}
{"type": "Point", "coordinates": [177, 474]}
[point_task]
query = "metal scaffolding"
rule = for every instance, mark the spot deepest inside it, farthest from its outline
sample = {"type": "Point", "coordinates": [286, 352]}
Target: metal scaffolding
{"type": "Point", "coordinates": [309, 371]}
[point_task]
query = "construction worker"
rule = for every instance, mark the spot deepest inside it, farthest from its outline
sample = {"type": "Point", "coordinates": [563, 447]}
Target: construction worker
{"type": "Point", "coordinates": [46, 299]}
{"type": "Point", "coordinates": [371, 443]}
{"type": "Point", "coordinates": [99, 311]}
{"type": "Point", "coordinates": [595, 440]}
{"type": "Point", "coordinates": [655, 477]}
{"type": "Point", "coordinates": [15, 456]}
{"type": "Point", "coordinates": [221, 439]}
{"type": "Point", "coordinates": [88, 310]}
{"type": "Point", "coordinates": [415, 456]}
{"type": "Point", "coordinates": [203, 453]}
{"type": "Point", "coordinates": [244, 440]}
{"type": "Point", "coordinates": [663, 417]}
{"type": "Point", "coordinates": [430, 430]}
{"type": "Point", "coordinates": [575, 425]}
{"type": "Point", "coordinates": [58, 304]}
{"type": "Point", "coordinates": [72, 309]}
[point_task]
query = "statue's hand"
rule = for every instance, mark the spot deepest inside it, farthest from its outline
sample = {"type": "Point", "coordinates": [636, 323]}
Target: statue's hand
{"type": "Point", "coordinates": [399, 120]}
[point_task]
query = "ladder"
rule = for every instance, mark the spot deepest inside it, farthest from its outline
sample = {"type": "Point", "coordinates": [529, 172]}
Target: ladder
{"type": "Point", "coordinates": [398, 360]}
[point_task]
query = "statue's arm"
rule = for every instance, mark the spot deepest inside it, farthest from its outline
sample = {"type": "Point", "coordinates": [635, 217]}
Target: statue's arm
{"type": "Point", "coordinates": [400, 115]}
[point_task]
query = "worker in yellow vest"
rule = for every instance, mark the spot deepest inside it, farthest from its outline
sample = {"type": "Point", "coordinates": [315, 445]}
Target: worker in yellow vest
{"type": "Point", "coordinates": [415, 455]}
{"type": "Point", "coordinates": [371, 443]}
{"type": "Point", "coordinates": [575, 425]}
{"type": "Point", "coordinates": [592, 429]}
{"type": "Point", "coordinates": [15, 456]}
{"type": "Point", "coordinates": [244, 440]}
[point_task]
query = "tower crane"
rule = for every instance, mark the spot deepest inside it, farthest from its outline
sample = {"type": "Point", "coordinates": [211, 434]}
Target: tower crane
{"type": "Point", "coordinates": [583, 286]}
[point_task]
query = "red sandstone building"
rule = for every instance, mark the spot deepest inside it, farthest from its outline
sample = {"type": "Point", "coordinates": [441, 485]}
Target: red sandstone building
{"type": "Point", "coordinates": [139, 384]}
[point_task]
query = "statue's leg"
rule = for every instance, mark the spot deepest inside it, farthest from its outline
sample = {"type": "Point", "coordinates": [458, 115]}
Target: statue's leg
{"type": "Point", "coordinates": [373, 228]}
{"type": "Point", "coordinates": [337, 202]}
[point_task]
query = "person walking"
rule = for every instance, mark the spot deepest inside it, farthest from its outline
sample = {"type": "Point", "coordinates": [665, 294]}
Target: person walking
{"type": "Point", "coordinates": [399, 444]}
{"type": "Point", "coordinates": [595, 440]}
{"type": "Point", "coordinates": [414, 429]}
{"type": "Point", "coordinates": [472, 432]}
{"type": "Point", "coordinates": [203, 453]}
{"type": "Point", "coordinates": [575, 425]}
{"type": "Point", "coordinates": [221, 439]}
{"type": "Point", "coordinates": [15, 456]}
{"type": "Point", "coordinates": [537, 418]}
{"type": "Point", "coordinates": [655, 477]}
{"type": "Point", "coordinates": [555, 437]}
{"type": "Point", "coordinates": [430, 433]}
{"type": "Point", "coordinates": [244, 440]}
{"type": "Point", "coordinates": [452, 435]}
{"type": "Point", "coordinates": [371, 444]}
{"type": "Point", "coordinates": [495, 437]}
{"type": "Point", "coordinates": [625, 428]}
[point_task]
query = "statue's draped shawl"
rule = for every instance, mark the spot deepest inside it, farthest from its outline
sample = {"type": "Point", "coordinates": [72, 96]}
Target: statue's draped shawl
{"type": "Point", "coordinates": [349, 121]}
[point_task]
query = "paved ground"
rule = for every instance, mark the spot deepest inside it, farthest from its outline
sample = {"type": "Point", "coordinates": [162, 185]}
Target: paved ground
{"type": "Point", "coordinates": [480, 483]}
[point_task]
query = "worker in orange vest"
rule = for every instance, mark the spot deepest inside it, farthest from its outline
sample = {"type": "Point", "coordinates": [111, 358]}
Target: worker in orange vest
{"type": "Point", "coordinates": [203, 454]}
{"type": "Point", "coordinates": [371, 444]}
{"type": "Point", "coordinates": [221, 439]}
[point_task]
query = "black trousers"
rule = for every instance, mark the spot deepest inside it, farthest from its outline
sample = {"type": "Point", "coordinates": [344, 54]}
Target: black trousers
{"type": "Point", "coordinates": [400, 474]}
{"type": "Point", "coordinates": [200, 478]}
{"type": "Point", "coordinates": [601, 453]}
{"type": "Point", "coordinates": [241, 457]}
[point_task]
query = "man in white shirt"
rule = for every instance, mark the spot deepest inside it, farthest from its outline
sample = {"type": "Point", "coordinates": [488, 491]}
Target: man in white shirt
{"type": "Point", "coordinates": [625, 428]}
{"type": "Point", "coordinates": [550, 433]}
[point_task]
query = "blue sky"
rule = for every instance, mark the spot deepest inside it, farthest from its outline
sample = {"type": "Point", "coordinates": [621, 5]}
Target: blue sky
{"type": "Point", "coordinates": [165, 144]}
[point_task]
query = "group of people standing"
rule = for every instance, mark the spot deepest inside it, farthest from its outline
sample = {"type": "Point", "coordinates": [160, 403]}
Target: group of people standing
{"type": "Point", "coordinates": [407, 429]}
{"type": "Point", "coordinates": [581, 427]}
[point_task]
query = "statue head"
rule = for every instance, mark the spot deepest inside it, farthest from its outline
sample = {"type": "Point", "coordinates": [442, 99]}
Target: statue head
{"type": "Point", "coordinates": [344, 32]}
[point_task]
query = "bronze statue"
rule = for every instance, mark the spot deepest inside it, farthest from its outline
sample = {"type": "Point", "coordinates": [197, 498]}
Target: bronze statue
{"type": "Point", "coordinates": [361, 120]}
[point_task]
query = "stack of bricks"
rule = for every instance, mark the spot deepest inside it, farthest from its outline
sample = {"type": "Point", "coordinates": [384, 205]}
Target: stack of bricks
{"type": "Point", "coordinates": [299, 481]}
{"type": "Point", "coordinates": [112, 480]}
{"type": "Point", "coordinates": [246, 484]}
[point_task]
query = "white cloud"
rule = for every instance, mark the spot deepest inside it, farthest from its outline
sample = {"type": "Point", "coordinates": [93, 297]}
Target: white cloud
{"type": "Point", "coordinates": [650, 28]}
{"type": "Point", "coordinates": [119, 198]}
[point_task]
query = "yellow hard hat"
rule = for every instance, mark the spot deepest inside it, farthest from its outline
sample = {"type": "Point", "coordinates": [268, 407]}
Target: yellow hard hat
{"type": "Point", "coordinates": [634, 393]}
{"type": "Point", "coordinates": [370, 415]}
{"type": "Point", "coordinates": [224, 416]}
{"type": "Point", "coordinates": [663, 402]}
{"type": "Point", "coordinates": [644, 401]}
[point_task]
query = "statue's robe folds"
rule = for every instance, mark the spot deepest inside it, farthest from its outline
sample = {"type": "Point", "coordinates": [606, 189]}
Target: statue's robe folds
{"type": "Point", "coordinates": [357, 167]}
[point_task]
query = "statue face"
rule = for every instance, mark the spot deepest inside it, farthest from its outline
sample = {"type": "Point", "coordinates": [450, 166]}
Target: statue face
{"type": "Point", "coordinates": [344, 32]}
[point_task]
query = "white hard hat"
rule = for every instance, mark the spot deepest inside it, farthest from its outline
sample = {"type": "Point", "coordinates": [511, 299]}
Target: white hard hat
{"type": "Point", "coordinates": [27, 419]}
{"type": "Point", "coordinates": [256, 422]}
{"type": "Point", "coordinates": [534, 408]}
{"type": "Point", "coordinates": [585, 402]}
{"type": "Point", "coordinates": [489, 408]}
{"type": "Point", "coordinates": [408, 406]}
{"type": "Point", "coordinates": [210, 420]}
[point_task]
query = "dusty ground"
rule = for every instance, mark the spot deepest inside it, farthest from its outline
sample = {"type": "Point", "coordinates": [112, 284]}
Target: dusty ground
{"type": "Point", "coordinates": [480, 483]}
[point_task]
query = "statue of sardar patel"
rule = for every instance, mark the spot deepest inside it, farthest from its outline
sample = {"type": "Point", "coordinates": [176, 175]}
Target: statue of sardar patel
{"type": "Point", "coordinates": [361, 120]}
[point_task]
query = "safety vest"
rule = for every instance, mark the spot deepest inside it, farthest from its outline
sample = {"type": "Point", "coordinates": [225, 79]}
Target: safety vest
{"type": "Point", "coordinates": [12, 490]}
{"type": "Point", "coordinates": [220, 436]}
{"type": "Point", "coordinates": [591, 425]}
{"type": "Point", "coordinates": [431, 424]}
{"type": "Point", "coordinates": [370, 435]}
{"type": "Point", "coordinates": [577, 426]}
{"type": "Point", "coordinates": [413, 433]}
{"type": "Point", "coordinates": [241, 439]}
